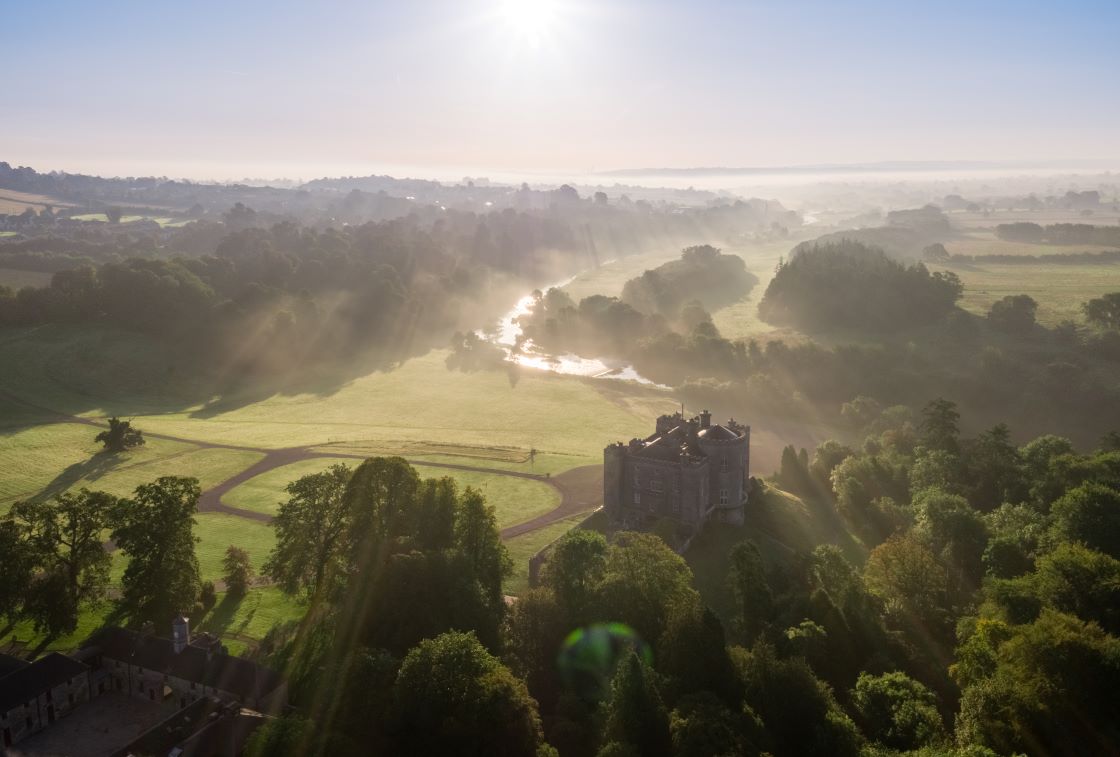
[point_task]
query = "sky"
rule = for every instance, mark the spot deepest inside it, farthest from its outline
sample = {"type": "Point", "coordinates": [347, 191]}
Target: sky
{"type": "Point", "coordinates": [499, 87]}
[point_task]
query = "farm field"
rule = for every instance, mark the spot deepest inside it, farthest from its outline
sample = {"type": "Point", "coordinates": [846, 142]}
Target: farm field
{"type": "Point", "coordinates": [165, 221]}
{"type": "Point", "coordinates": [13, 202]}
{"type": "Point", "coordinates": [16, 279]}
{"type": "Point", "coordinates": [1060, 289]}
{"type": "Point", "coordinates": [1105, 215]}
{"type": "Point", "coordinates": [987, 243]}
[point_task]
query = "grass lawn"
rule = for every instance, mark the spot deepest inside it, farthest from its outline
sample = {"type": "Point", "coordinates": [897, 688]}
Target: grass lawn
{"type": "Point", "coordinates": [523, 547]}
{"type": "Point", "coordinates": [217, 531]}
{"type": "Point", "coordinates": [52, 458]}
{"type": "Point", "coordinates": [421, 402]}
{"type": "Point", "coordinates": [515, 500]}
{"type": "Point", "coordinates": [16, 279]}
{"type": "Point", "coordinates": [609, 278]}
{"type": "Point", "coordinates": [240, 620]}
{"type": "Point", "coordinates": [264, 493]}
{"type": "Point", "coordinates": [1059, 289]}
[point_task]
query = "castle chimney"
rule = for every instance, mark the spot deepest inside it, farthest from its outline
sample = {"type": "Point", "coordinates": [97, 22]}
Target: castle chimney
{"type": "Point", "coordinates": [705, 419]}
{"type": "Point", "coordinates": [181, 633]}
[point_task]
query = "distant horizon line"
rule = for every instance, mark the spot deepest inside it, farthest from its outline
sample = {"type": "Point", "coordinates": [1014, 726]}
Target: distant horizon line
{"type": "Point", "coordinates": [1105, 165]}
{"type": "Point", "coordinates": [445, 174]}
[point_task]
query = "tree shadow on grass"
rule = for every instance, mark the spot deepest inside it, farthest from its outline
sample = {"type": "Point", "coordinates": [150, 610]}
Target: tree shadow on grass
{"type": "Point", "coordinates": [92, 469]}
{"type": "Point", "coordinates": [220, 618]}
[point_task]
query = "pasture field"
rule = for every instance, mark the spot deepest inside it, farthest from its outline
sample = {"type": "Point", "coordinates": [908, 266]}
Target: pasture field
{"type": "Point", "coordinates": [981, 242]}
{"type": "Point", "coordinates": [740, 319]}
{"type": "Point", "coordinates": [609, 278]}
{"type": "Point", "coordinates": [1105, 215]}
{"type": "Point", "coordinates": [39, 461]}
{"type": "Point", "coordinates": [167, 221]}
{"type": "Point", "coordinates": [419, 402]}
{"type": "Point", "coordinates": [13, 202]}
{"type": "Point", "coordinates": [16, 279]}
{"type": "Point", "coordinates": [515, 500]}
{"type": "Point", "coordinates": [1060, 289]}
{"type": "Point", "coordinates": [7, 234]}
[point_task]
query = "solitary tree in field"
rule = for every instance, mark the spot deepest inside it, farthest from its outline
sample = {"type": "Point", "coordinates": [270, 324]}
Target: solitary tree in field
{"type": "Point", "coordinates": [114, 214]}
{"type": "Point", "coordinates": [238, 571]}
{"type": "Point", "coordinates": [120, 436]}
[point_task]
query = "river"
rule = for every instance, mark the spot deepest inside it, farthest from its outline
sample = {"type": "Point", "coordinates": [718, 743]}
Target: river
{"type": "Point", "coordinates": [524, 352]}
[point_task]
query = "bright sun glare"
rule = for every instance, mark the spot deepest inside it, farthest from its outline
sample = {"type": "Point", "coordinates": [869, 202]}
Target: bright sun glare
{"type": "Point", "coordinates": [529, 19]}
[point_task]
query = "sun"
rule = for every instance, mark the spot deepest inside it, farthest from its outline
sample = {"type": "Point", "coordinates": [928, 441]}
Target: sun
{"type": "Point", "coordinates": [531, 20]}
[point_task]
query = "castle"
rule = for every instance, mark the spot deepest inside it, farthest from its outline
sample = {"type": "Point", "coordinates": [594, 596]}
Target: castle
{"type": "Point", "coordinates": [688, 471]}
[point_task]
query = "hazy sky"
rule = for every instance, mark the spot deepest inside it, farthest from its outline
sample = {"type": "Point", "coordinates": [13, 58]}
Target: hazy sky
{"type": "Point", "coordinates": [237, 88]}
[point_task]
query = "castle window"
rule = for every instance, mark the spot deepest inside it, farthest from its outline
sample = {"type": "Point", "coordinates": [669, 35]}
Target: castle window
{"type": "Point", "coordinates": [637, 498]}
{"type": "Point", "coordinates": [723, 465]}
{"type": "Point", "coordinates": [723, 496]}
{"type": "Point", "coordinates": [676, 505]}
{"type": "Point", "coordinates": [656, 485]}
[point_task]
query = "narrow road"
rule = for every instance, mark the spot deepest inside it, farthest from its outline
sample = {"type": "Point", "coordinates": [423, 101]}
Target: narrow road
{"type": "Point", "coordinates": [580, 489]}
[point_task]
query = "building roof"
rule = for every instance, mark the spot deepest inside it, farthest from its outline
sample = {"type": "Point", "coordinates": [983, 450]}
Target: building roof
{"type": "Point", "coordinates": [718, 433]}
{"type": "Point", "coordinates": [10, 664]}
{"type": "Point", "coordinates": [670, 446]}
{"type": "Point", "coordinates": [32, 680]}
{"type": "Point", "coordinates": [235, 675]}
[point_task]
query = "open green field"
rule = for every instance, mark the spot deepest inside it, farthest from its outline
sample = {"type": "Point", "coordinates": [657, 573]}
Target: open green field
{"type": "Point", "coordinates": [7, 234]}
{"type": "Point", "coordinates": [1060, 289]}
{"type": "Point", "coordinates": [14, 203]}
{"type": "Point", "coordinates": [74, 370]}
{"type": "Point", "coordinates": [16, 279]}
{"type": "Point", "coordinates": [49, 459]}
{"type": "Point", "coordinates": [1106, 215]}
{"type": "Point", "coordinates": [217, 531]}
{"type": "Point", "coordinates": [986, 243]}
{"type": "Point", "coordinates": [166, 221]}
{"type": "Point", "coordinates": [514, 500]}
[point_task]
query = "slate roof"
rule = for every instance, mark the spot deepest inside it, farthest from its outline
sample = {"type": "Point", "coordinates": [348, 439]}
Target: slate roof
{"type": "Point", "coordinates": [718, 433]}
{"type": "Point", "coordinates": [10, 664]}
{"type": "Point", "coordinates": [219, 671]}
{"type": "Point", "coordinates": [32, 680]}
{"type": "Point", "coordinates": [671, 445]}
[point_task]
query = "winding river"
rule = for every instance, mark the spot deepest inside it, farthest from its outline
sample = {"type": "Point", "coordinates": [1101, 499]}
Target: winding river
{"type": "Point", "coordinates": [524, 352]}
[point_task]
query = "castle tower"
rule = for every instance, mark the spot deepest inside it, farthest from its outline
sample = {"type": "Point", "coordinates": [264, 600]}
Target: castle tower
{"type": "Point", "coordinates": [180, 633]}
{"type": "Point", "coordinates": [728, 450]}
